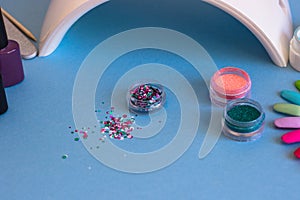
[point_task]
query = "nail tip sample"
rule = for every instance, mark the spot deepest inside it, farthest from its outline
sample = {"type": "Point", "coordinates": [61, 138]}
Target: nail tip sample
{"type": "Point", "coordinates": [287, 108]}
{"type": "Point", "coordinates": [291, 96]}
{"type": "Point", "coordinates": [291, 137]}
{"type": "Point", "coordinates": [297, 153]}
{"type": "Point", "coordinates": [287, 122]}
{"type": "Point", "coordinates": [297, 84]}
{"type": "Point", "coordinates": [285, 139]}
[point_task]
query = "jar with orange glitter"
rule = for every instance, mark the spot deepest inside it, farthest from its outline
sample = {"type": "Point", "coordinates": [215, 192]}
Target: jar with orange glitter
{"type": "Point", "coordinates": [229, 83]}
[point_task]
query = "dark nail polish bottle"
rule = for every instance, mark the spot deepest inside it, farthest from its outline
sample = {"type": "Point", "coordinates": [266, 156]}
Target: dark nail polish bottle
{"type": "Point", "coordinates": [11, 66]}
{"type": "Point", "coordinates": [3, 101]}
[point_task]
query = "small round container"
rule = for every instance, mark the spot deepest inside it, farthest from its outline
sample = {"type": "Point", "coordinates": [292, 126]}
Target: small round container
{"type": "Point", "coordinates": [294, 56]}
{"type": "Point", "coordinates": [296, 42]}
{"type": "Point", "coordinates": [243, 120]}
{"type": "Point", "coordinates": [146, 97]}
{"type": "Point", "coordinates": [229, 83]}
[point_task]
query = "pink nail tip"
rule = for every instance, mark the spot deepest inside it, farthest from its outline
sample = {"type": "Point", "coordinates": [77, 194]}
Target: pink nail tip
{"type": "Point", "coordinates": [291, 137]}
{"type": "Point", "coordinates": [287, 122]}
{"type": "Point", "coordinates": [297, 153]}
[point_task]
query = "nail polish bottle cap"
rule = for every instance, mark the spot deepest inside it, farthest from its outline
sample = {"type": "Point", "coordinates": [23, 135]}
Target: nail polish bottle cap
{"type": "Point", "coordinates": [3, 35]}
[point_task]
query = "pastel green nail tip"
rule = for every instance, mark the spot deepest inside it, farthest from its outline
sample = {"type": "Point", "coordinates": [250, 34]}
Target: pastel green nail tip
{"type": "Point", "coordinates": [287, 108]}
{"type": "Point", "coordinates": [297, 84]}
{"type": "Point", "coordinates": [291, 96]}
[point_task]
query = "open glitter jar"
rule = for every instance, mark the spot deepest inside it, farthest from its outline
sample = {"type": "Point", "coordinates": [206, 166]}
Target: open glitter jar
{"type": "Point", "coordinates": [229, 83]}
{"type": "Point", "coordinates": [243, 120]}
{"type": "Point", "coordinates": [146, 97]}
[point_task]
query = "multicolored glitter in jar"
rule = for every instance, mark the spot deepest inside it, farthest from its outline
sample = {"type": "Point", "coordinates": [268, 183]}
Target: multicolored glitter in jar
{"type": "Point", "coordinates": [146, 97]}
{"type": "Point", "coordinates": [229, 83]}
{"type": "Point", "coordinates": [243, 120]}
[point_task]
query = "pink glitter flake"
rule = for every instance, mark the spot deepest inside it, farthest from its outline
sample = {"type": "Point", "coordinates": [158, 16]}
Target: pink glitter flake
{"type": "Point", "coordinates": [118, 127]}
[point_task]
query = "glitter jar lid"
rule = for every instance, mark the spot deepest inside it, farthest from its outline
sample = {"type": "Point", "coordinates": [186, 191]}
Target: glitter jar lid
{"type": "Point", "coordinates": [294, 54]}
{"type": "Point", "coordinates": [146, 97]}
{"type": "Point", "coordinates": [296, 42]}
{"type": "Point", "coordinates": [229, 83]}
{"type": "Point", "coordinates": [243, 120]}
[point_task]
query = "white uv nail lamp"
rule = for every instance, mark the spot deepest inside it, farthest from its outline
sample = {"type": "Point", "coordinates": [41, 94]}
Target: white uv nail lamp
{"type": "Point", "coordinates": [269, 20]}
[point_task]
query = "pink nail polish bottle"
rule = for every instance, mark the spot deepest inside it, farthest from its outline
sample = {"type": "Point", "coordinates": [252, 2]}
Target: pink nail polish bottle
{"type": "Point", "coordinates": [11, 67]}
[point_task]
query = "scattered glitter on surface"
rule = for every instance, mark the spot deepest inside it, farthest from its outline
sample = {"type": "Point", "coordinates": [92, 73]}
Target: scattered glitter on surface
{"type": "Point", "coordinates": [84, 134]}
{"type": "Point", "coordinates": [115, 127]}
{"type": "Point", "coordinates": [118, 127]}
{"type": "Point", "coordinates": [102, 139]}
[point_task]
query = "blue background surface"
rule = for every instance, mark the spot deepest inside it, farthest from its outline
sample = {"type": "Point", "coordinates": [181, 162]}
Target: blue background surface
{"type": "Point", "coordinates": [34, 133]}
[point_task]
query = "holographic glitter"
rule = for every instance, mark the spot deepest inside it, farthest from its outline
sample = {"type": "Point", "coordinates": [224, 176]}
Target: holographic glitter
{"type": "Point", "coordinates": [84, 134]}
{"type": "Point", "coordinates": [146, 97]}
{"type": "Point", "coordinates": [115, 127]}
{"type": "Point", "coordinates": [118, 127]}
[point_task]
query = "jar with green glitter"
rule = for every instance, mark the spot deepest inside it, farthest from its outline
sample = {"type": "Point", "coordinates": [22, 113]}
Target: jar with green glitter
{"type": "Point", "coordinates": [243, 120]}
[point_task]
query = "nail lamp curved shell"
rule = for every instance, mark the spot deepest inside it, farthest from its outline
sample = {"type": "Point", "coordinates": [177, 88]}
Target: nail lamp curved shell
{"type": "Point", "coordinates": [270, 21]}
{"type": "Point", "coordinates": [61, 15]}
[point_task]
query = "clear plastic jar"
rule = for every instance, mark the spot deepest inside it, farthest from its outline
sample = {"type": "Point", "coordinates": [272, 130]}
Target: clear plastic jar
{"type": "Point", "coordinates": [146, 97]}
{"type": "Point", "coordinates": [229, 83]}
{"type": "Point", "coordinates": [294, 55]}
{"type": "Point", "coordinates": [243, 120]}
